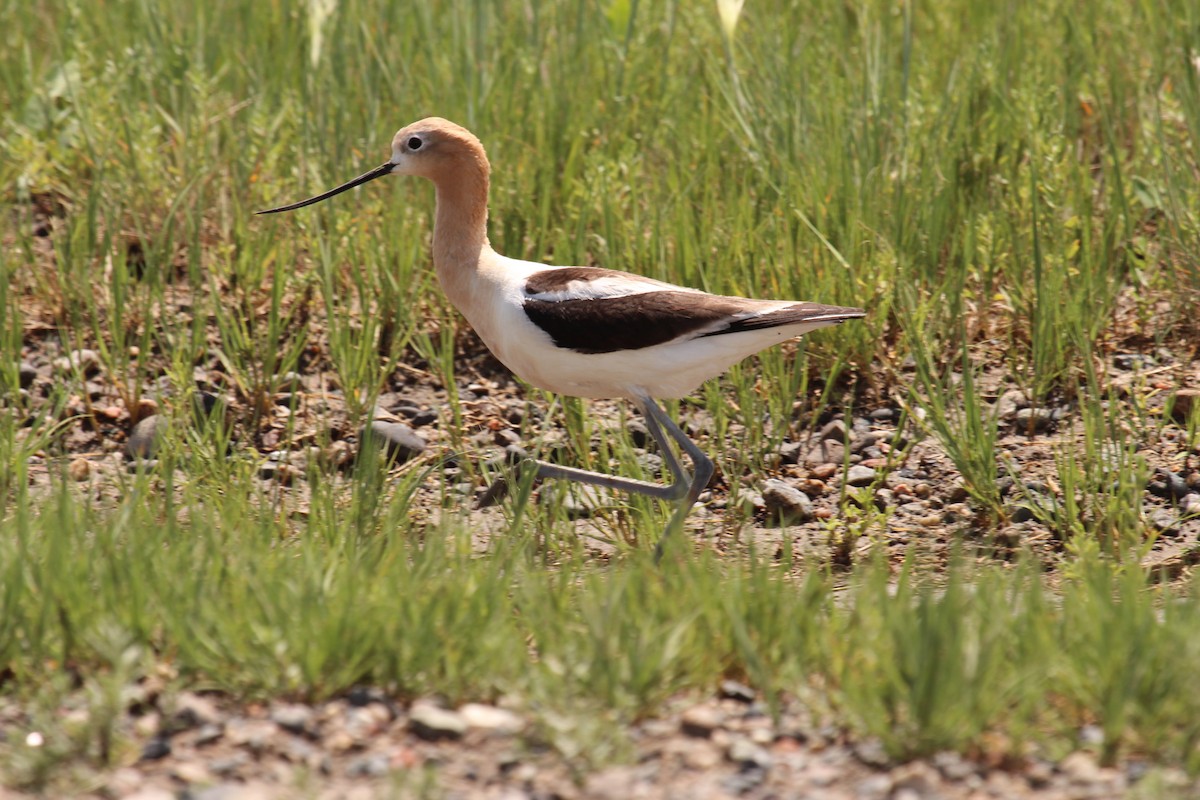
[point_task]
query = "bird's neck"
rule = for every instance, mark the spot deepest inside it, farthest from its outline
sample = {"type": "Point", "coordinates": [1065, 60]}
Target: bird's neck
{"type": "Point", "coordinates": [460, 230]}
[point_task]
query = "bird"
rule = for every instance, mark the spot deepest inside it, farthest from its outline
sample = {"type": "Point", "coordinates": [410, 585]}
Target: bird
{"type": "Point", "coordinates": [584, 331]}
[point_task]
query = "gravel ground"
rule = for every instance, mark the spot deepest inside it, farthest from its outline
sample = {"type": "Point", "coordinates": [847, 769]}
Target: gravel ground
{"type": "Point", "coordinates": [364, 745]}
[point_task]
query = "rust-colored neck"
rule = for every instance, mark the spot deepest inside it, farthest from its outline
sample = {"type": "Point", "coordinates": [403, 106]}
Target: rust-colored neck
{"type": "Point", "coordinates": [460, 226]}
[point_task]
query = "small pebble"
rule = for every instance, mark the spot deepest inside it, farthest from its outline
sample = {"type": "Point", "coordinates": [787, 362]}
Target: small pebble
{"type": "Point", "coordinates": [786, 501]}
{"type": "Point", "coordinates": [80, 469]}
{"type": "Point", "coordinates": [27, 374]}
{"type": "Point", "coordinates": [85, 361]}
{"type": "Point", "coordinates": [789, 452]}
{"type": "Point", "coordinates": [638, 433]}
{"type": "Point", "coordinates": [368, 767]}
{"type": "Point", "coordinates": [490, 718]}
{"type": "Point", "coordinates": [155, 749]}
{"type": "Point", "coordinates": [859, 475]}
{"type": "Point", "coordinates": [293, 717]}
{"type": "Point", "coordinates": [1034, 420]}
{"type": "Point", "coordinates": [1190, 505]}
{"type": "Point", "coordinates": [748, 754]}
{"type": "Point", "coordinates": [835, 431]}
{"type": "Point", "coordinates": [1010, 403]}
{"type": "Point", "coordinates": [700, 721]}
{"type": "Point", "coordinates": [289, 382]}
{"type": "Point", "coordinates": [1165, 521]}
{"type": "Point", "coordinates": [1184, 402]}
{"type": "Point", "coordinates": [395, 439]}
{"type": "Point", "coordinates": [1132, 361]}
{"type": "Point", "coordinates": [736, 690]}
{"type": "Point", "coordinates": [823, 472]}
{"type": "Point", "coordinates": [144, 438]}
{"type": "Point", "coordinates": [828, 452]}
{"type": "Point", "coordinates": [432, 722]}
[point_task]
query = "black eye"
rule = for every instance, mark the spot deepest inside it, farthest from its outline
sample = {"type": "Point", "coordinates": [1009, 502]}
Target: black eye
{"type": "Point", "coordinates": [415, 143]}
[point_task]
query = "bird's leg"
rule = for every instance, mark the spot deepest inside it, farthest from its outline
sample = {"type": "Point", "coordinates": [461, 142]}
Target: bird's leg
{"type": "Point", "coordinates": [701, 463]}
{"type": "Point", "coordinates": [674, 491]}
{"type": "Point", "coordinates": [684, 489]}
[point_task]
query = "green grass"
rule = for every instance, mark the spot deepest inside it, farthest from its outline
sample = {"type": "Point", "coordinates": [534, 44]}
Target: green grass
{"type": "Point", "coordinates": [992, 181]}
{"type": "Point", "coordinates": [233, 599]}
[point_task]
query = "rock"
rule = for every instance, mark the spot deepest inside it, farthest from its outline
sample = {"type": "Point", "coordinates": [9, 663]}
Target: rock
{"type": "Point", "coordinates": [1080, 767]}
{"type": "Point", "coordinates": [191, 772]}
{"type": "Point", "coordinates": [194, 710]}
{"type": "Point", "coordinates": [834, 431]}
{"type": "Point", "coordinates": [254, 790]}
{"type": "Point", "coordinates": [293, 717]}
{"type": "Point", "coordinates": [253, 734]}
{"type": "Point", "coordinates": [1132, 361]}
{"type": "Point", "coordinates": [864, 442]}
{"type": "Point", "coordinates": [826, 453]}
{"type": "Point", "coordinates": [701, 721]}
{"type": "Point", "coordinates": [698, 754]}
{"type": "Point", "coordinates": [1010, 403]}
{"type": "Point", "coordinates": [884, 499]}
{"type": "Point", "coordinates": [735, 690]}
{"type": "Point", "coordinates": [858, 475]}
{"type": "Point", "coordinates": [151, 793]}
{"type": "Point", "coordinates": [748, 500]}
{"type": "Point", "coordinates": [492, 719]}
{"type": "Point", "coordinates": [786, 501]}
{"type": "Point", "coordinates": [1165, 521]}
{"type": "Point", "coordinates": [228, 765]}
{"type": "Point", "coordinates": [823, 472]}
{"type": "Point", "coordinates": [432, 722]}
{"type": "Point", "coordinates": [744, 780]}
{"type": "Point", "coordinates": [882, 415]}
{"type": "Point", "coordinates": [1185, 401]}
{"type": "Point", "coordinates": [746, 753]}
{"type": "Point", "coordinates": [85, 361]}
{"type": "Point", "coordinates": [1168, 485]}
{"type": "Point", "coordinates": [639, 434]}
{"type": "Point", "coordinates": [652, 463]}
{"type": "Point", "coordinates": [144, 407]}
{"type": "Point", "coordinates": [1034, 420]}
{"type": "Point", "coordinates": [1022, 512]}
{"type": "Point", "coordinates": [208, 406]}
{"type": "Point", "coordinates": [423, 417]}
{"type": "Point", "coordinates": [80, 469]}
{"type": "Point", "coordinates": [789, 452]}
{"type": "Point", "coordinates": [26, 374]}
{"type": "Point", "coordinates": [208, 734]}
{"type": "Point", "coordinates": [373, 766]}
{"type": "Point", "coordinates": [875, 787]}
{"type": "Point", "coordinates": [289, 382]}
{"type": "Point", "coordinates": [145, 437]}
{"type": "Point", "coordinates": [396, 440]}
{"type": "Point", "coordinates": [155, 749]}
{"type": "Point", "coordinates": [578, 500]}
{"type": "Point", "coordinates": [872, 753]}
{"type": "Point", "coordinates": [1190, 505]}
{"type": "Point", "coordinates": [953, 766]}
{"type": "Point", "coordinates": [363, 696]}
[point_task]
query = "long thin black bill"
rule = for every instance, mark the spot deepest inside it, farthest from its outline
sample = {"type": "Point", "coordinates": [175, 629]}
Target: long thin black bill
{"type": "Point", "coordinates": [378, 172]}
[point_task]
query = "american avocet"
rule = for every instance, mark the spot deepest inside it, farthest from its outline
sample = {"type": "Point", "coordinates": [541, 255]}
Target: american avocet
{"type": "Point", "coordinates": [584, 331]}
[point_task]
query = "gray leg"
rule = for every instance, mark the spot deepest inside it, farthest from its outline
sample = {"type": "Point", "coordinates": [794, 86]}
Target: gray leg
{"type": "Point", "coordinates": [702, 464]}
{"type": "Point", "coordinates": [685, 489]}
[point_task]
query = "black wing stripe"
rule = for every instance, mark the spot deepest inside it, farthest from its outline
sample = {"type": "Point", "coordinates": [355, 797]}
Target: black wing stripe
{"type": "Point", "coordinates": [633, 322]}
